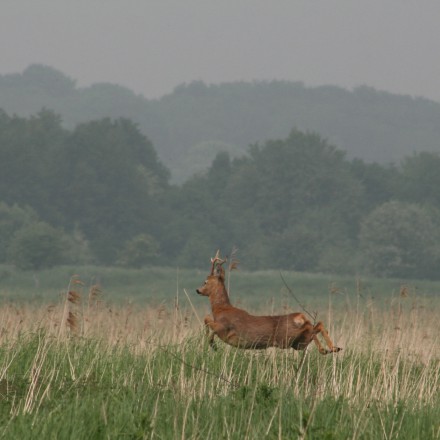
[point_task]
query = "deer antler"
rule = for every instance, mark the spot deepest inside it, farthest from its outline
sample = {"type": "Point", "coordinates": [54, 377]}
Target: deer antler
{"type": "Point", "coordinates": [217, 260]}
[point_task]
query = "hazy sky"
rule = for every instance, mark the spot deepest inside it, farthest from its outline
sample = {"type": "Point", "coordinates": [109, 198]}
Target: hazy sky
{"type": "Point", "coordinates": [152, 46]}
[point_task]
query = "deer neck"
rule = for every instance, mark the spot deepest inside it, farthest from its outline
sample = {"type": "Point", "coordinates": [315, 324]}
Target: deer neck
{"type": "Point", "coordinates": [219, 298]}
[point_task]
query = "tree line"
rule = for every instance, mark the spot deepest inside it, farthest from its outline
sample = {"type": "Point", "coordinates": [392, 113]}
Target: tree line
{"type": "Point", "coordinates": [189, 126]}
{"type": "Point", "coordinates": [99, 194]}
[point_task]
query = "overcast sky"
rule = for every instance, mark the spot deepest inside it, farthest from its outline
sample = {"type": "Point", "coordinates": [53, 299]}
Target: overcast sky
{"type": "Point", "coordinates": [152, 46]}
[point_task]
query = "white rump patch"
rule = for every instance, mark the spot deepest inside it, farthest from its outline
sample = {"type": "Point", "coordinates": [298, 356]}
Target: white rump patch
{"type": "Point", "coordinates": [299, 321]}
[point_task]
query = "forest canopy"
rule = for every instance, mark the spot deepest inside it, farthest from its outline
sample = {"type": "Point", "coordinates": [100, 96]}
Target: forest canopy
{"type": "Point", "coordinates": [368, 124]}
{"type": "Point", "coordinates": [99, 193]}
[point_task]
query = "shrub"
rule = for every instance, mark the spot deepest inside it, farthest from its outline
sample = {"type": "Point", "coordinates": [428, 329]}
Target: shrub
{"type": "Point", "coordinates": [37, 246]}
{"type": "Point", "coordinates": [401, 240]}
{"type": "Point", "coordinates": [139, 251]}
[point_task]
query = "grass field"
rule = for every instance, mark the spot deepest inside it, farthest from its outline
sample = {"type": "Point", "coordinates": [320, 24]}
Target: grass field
{"type": "Point", "coordinates": [121, 361]}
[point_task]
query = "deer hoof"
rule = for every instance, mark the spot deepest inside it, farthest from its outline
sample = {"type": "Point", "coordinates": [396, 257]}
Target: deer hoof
{"type": "Point", "coordinates": [332, 350]}
{"type": "Point", "coordinates": [324, 351]}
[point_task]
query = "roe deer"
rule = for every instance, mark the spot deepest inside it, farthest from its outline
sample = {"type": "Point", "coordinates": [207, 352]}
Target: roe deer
{"type": "Point", "coordinates": [238, 328]}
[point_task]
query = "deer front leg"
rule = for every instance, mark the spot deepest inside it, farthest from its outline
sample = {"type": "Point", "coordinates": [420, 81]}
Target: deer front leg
{"type": "Point", "coordinates": [210, 334]}
{"type": "Point", "coordinates": [215, 328]}
{"type": "Point", "coordinates": [219, 330]}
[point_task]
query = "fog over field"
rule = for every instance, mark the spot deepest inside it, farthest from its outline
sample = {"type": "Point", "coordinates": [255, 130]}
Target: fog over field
{"type": "Point", "coordinates": [151, 46]}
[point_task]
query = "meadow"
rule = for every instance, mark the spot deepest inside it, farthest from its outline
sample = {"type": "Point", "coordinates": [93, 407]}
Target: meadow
{"type": "Point", "coordinates": [91, 353]}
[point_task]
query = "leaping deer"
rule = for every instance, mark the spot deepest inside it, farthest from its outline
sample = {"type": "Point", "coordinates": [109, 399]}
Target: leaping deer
{"type": "Point", "coordinates": [238, 328]}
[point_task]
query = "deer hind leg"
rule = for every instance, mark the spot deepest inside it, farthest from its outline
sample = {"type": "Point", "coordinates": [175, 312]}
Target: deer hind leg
{"type": "Point", "coordinates": [319, 328]}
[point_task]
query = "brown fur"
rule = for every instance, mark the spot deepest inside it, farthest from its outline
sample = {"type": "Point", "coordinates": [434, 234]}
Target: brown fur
{"type": "Point", "coordinates": [238, 328]}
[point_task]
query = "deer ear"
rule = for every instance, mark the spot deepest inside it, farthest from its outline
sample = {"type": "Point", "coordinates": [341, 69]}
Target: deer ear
{"type": "Point", "coordinates": [220, 272]}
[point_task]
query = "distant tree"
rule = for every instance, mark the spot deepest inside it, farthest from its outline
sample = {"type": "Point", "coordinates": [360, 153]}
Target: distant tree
{"type": "Point", "coordinates": [101, 180]}
{"type": "Point", "coordinates": [199, 158]}
{"type": "Point", "coordinates": [195, 217]}
{"type": "Point", "coordinates": [31, 166]}
{"type": "Point", "coordinates": [37, 246]}
{"type": "Point", "coordinates": [368, 124]}
{"type": "Point", "coordinates": [401, 240]}
{"type": "Point", "coordinates": [380, 182]}
{"type": "Point", "coordinates": [198, 247]}
{"type": "Point", "coordinates": [112, 179]}
{"type": "Point", "coordinates": [139, 251]}
{"type": "Point", "coordinates": [300, 194]}
{"type": "Point", "coordinates": [13, 218]}
{"type": "Point", "coordinates": [288, 201]}
{"type": "Point", "coordinates": [296, 248]}
{"type": "Point", "coordinates": [300, 173]}
{"type": "Point", "coordinates": [53, 82]}
{"type": "Point", "coordinates": [420, 179]}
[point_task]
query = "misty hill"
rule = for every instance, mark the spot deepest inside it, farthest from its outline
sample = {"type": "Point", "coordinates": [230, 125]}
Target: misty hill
{"type": "Point", "coordinates": [191, 124]}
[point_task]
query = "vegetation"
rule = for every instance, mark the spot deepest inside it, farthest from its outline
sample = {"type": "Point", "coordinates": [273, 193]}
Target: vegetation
{"type": "Point", "coordinates": [83, 368]}
{"type": "Point", "coordinates": [371, 125]}
{"type": "Point", "coordinates": [100, 194]}
{"type": "Point", "coordinates": [92, 189]}
{"type": "Point", "coordinates": [400, 240]}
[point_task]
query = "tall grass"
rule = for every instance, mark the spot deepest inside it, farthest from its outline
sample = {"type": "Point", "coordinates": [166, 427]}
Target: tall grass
{"type": "Point", "coordinates": [84, 368]}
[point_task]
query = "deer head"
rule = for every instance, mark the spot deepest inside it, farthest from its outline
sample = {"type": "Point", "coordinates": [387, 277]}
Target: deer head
{"type": "Point", "coordinates": [216, 276]}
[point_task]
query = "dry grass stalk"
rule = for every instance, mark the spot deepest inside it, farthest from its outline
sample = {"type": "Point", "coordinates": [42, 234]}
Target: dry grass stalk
{"type": "Point", "coordinates": [71, 309]}
{"type": "Point", "coordinates": [358, 380]}
{"type": "Point", "coordinates": [74, 297]}
{"type": "Point", "coordinates": [233, 261]}
{"type": "Point", "coordinates": [94, 295]}
{"type": "Point", "coordinates": [384, 345]}
{"type": "Point", "coordinates": [72, 322]}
